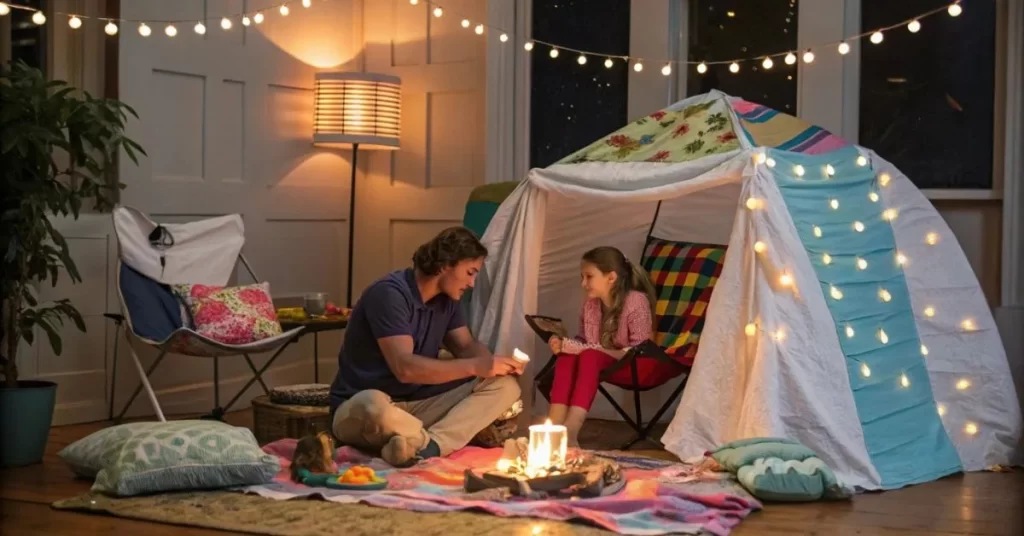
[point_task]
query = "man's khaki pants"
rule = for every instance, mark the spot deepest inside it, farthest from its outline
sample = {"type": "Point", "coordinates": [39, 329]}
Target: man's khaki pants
{"type": "Point", "coordinates": [370, 418]}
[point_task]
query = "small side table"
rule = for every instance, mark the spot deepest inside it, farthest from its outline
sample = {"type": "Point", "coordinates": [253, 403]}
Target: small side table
{"type": "Point", "coordinates": [315, 326]}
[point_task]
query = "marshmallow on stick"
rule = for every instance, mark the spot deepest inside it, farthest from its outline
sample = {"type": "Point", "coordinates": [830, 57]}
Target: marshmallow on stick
{"type": "Point", "coordinates": [518, 354]}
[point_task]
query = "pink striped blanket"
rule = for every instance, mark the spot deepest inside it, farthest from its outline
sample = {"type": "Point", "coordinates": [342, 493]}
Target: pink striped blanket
{"type": "Point", "coordinates": [659, 498]}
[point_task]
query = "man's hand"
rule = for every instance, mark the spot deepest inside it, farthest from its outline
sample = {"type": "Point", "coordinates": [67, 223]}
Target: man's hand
{"type": "Point", "coordinates": [555, 342]}
{"type": "Point", "coordinates": [489, 367]}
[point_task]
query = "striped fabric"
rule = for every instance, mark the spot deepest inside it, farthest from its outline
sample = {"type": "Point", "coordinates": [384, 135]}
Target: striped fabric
{"type": "Point", "coordinates": [684, 277]}
{"type": "Point", "coordinates": [765, 127]}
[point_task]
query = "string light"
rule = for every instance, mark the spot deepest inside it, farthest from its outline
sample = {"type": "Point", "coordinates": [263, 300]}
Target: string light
{"type": "Point", "coordinates": [835, 293]}
{"type": "Point", "coordinates": [882, 336]}
{"type": "Point", "coordinates": [914, 26]}
{"type": "Point", "coordinates": [829, 170]}
{"type": "Point", "coordinates": [702, 68]}
{"type": "Point", "coordinates": [307, 3]}
{"type": "Point", "coordinates": [284, 10]}
{"type": "Point", "coordinates": [834, 204]}
{"type": "Point", "coordinates": [862, 264]}
{"type": "Point", "coordinates": [862, 160]}
{"type": "Point", "coordinates": [246, 20]}
{"type": "Point", "coordinates": [608, 63]}
{"type": "Point", "coordinates": [438, 12]}
{"type": "Point", "coordinates": [170, 30]}
{"type": "Point", "coordinates": [770, 162]}
{"type": "Point", "coordinates": [798, 170]}
{"type": "Point", "coordinates": [942, 410]}
{"type": "Point", "coordinates": [901, 259]}
{"type": "Point", "coordinates": [39, 18]}
{"type": "Point", "coordinates": [666, 70]}
{"type": "Point", "coordinates": [844, 48]}
{"type": "Point", "coordinates": [528, 46]}
{"type": "Point", "coordinates": [884, 179]}
{"type": "Point", "coordinates": [877, 37]}
{"type": "Point", "coordinates": [414, 2]}
{"type": "Point", "coordinates": [963, 384]}
{"type": "Point", "coordinates": [780, 335]}
{"type": "Point", "coordinates": [503, 37]}
{"type": "Point", "coordinates": [479, 30]}
{"type": "Point", "coordinates": [767, 63]}
{"type": "Point", "coordinates": [890, 214]}
{"type": "Point", "coordinates": [752, 203]}
{"type": "Point", "coordinates": [638, 66]}
{"type": "Point", "coordinates": [817, 232]}
{"type": "Point", "coordinates": [931, 239]}
{"type": "Point", "coordinates": [4, 9]}
{"type": "Point", "coordinates": [582, 60]}
{"type": "Point", "coordinates": [955, 10]}
{"type": "Point", "coordinates": [968, 325]}
{"type": "Point", "coordinates": [858, 226]}
{"type": "Point", "coordinates": [849, 332]}
{"type": "Point", "coordinates": [553, 53]}
{"type": "Point", "coordinates": [465, 23]}
{"type": "Point", "coordinates": [929, 311]}
{"type": "Point", "coordinates": [760, 157]}
{"type": "Point", "coordinates": [904, 380]}
{"type": "Point", "coordinates": [75, 22]}
{"type": "Point", "coordinates": [808, 56]}
{"type": "Point", "coordinates": [790, 58]}
{"type": "Point", "coordinates": [258, 18]}
{"type": "Point", "coordinates": [826, 258]}
{"type": "Point", "coordinates": [971, 428]}
{"type": "Point", "coordinates": [110, 29]}
{"type": "Point", "coordinates": [873, 196]}
{"type": "Point", "coordinates": [225, 23]}
{"type": "Point", "coordinates": [760, 247]}
{"type": "Point", "coordinates": [786, 280]}
{"type": "Point", "coordinates": [924, 350]}
{"type": "Point", "coordinates": [885, 295]}
{"type": "Point", "coordinates": [750, 329]}
{"type": "Point", "coordinates": [200, 28]}
{"type": "Point", "coordinates": [144, 30]}
{"type": "Point", "coordinates": [734, 68]}
{"type": "Point", "coordinates": [865, 370]}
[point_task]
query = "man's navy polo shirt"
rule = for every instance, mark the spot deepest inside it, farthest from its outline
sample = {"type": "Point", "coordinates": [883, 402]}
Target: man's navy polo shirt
{"type": "Point", "coordinates": [392, 306]}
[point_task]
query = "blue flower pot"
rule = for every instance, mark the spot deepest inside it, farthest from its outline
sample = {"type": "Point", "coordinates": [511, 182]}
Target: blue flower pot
{"type": "Point", "coordinates": [25, 416]}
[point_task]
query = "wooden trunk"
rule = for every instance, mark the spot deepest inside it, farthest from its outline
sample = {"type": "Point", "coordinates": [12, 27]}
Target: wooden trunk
{"type": "Point", "coordinates": [276, 421]}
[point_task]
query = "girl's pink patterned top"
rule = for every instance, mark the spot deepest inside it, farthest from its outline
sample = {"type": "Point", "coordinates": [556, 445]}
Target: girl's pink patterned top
{"type": "Point", "coordinates": [634, 324]}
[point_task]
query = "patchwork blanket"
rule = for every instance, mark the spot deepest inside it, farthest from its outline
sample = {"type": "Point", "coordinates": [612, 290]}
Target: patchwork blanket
{"type": "Point", "coordinates": [655, 500]}
{"type": "Point", "coordinates": [765, 127]}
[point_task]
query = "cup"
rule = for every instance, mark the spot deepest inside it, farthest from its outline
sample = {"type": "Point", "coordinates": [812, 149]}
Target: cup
{"type": "Point", "coordinates": [315, 303]}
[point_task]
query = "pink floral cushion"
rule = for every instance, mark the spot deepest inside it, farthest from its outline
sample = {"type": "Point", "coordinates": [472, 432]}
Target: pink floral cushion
{"type": "Point", "coordinates": [231, 315]}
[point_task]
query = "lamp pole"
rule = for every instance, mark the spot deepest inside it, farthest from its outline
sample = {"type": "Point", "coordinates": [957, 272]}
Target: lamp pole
{"type": "Point", "coordinates": [351, 224]}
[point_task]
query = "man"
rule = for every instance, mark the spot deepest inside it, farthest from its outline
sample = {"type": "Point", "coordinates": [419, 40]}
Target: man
{"type": "Point", "coordinates": [392, 391]}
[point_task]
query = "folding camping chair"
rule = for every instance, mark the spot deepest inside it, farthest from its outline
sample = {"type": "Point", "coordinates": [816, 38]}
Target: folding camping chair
{"type": "Point", "coordinates": [152, 257]}
{"type": "Point", "coordinates": [644, 367]}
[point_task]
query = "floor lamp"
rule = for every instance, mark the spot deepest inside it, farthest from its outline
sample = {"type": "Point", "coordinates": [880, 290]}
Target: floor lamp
{"type": "Point", "coordinates": [356, 110]}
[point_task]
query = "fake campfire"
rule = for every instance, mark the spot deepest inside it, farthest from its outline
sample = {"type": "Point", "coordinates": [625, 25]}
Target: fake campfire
{"type": "Point", "coordinates": [540, 468]}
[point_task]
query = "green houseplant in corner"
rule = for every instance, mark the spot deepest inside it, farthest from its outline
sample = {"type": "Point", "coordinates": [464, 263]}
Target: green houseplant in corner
{"type": "Point", "coordinates": [58, 151]}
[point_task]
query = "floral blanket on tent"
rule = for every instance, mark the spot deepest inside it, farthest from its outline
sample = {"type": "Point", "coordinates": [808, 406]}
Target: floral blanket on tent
{"type": "Point", "coordinates": [659, 498]}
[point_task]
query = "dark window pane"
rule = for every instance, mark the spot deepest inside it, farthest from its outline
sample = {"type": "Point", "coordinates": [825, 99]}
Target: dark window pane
{"type": "Point", "coordinates": [926, 99]}
{"type": "Point", "coordinates": [729, 29]}
{"type": "Point", "coordinates": [28, 39]}
{"type": "Point", "coordinates": [572, 105]}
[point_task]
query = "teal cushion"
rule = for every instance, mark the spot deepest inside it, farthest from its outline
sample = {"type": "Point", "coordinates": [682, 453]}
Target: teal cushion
{"type": "Point", "coordinates": [151, 457]}
{"type": "Point", "coordinates": [780, 469]}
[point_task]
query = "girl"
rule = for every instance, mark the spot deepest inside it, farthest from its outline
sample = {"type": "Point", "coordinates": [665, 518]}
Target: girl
{"type": "Point", "coordinates": [618, 314]}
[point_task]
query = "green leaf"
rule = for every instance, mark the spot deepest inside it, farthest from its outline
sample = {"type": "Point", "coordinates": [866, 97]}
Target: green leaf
{"type": "Point", "coordinates": [51, 333]}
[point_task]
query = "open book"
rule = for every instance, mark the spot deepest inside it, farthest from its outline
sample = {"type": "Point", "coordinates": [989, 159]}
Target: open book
{"type": "Point", "coordinates": [546, 327]}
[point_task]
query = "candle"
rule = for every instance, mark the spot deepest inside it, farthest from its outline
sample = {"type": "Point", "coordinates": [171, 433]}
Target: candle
{"type": "Point", "coordinates": [547, 448]}
{"type": "Point", "coordinates": [520, 355]}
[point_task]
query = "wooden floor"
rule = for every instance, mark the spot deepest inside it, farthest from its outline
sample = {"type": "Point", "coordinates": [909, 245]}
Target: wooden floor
{"type": "Point", "coordinates": [977, 503]}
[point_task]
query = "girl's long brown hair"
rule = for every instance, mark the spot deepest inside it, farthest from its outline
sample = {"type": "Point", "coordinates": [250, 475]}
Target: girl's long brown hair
{"type": "Point", "coordinates": [630, 277]}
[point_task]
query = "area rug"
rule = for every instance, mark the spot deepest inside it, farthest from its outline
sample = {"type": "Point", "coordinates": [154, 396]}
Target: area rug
{"type": "Point", "coordinates": [660, 497]}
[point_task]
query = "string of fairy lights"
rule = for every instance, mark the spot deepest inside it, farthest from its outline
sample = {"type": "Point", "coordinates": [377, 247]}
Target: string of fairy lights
{"type": "Point", "coordinates": [113, 25]}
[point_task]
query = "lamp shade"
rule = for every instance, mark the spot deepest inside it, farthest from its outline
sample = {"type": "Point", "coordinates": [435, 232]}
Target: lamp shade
{"type": "Point", "coordinates": [352, 107]}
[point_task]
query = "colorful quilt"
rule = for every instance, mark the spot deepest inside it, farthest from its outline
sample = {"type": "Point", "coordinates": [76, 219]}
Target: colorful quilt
{"type": "Point", "coordinates": [655, 500]}
{"type": "Point", "coordinates": [666, 136]}
{"type": "Point", "coordinates": [765, 127]}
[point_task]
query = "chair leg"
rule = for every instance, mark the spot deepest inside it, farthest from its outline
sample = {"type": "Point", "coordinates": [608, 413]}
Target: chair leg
{"type": "Point", "coordinates": [113, 372]}
{"type": "Point", "coordinates": [636, 407]}
{"type": "Point", "coordinates": [144, 376]}
{"type": "Point", "coordinates": [661, 411]}
{"type": "Point", "coordinates": [257, 376]}
{"type": "Point", "coordinates": [217, 413]}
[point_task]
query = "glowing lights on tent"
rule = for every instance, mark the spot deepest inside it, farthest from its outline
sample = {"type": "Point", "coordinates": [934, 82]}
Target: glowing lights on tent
{"type": "Point", "coordinates": [904, 380]}
{"type": "Point", "coordinates": [862, 160]}
{"type": "Point", "coordinates": [760, 247]}
{"type": "Point", "coordinates": [786, 280]}
{"type": "Point", "coordinates": [760, 157]}
{"type": "Point", "coordinates": [963, 384]}
{"type": "Point", "coordinates": [702, 68]}
{"type": "Point", "coordinates": [970, 428]}
{"type": "Point", "coordinates": [890, 214]}
{"type": "Point", "coordinates": [817, 231]}
{"type": "Point", "coordinates": [884, 179]}
{"type": "Point", "coordinates": [931, 238]}
{"type": "Point", "coordinates": [438, 11]}
{"type": "Point", "coordinates": [754, 203]}
{"type": "Point", "coordinates": [608, 63]}
{"type": "Point", "coordinates": [798, 170]}
{"type": "Point", "coordinates": [865, 370]}
{"type": "Point", "coordinates": [884, 295]}
{"type": "Point", "coordinates": [770, 162]}
{"type": "Point", "coordinates": [968, 325]}
{"type": "Point", "coordinates": [835, 293]}
{"type": "Point", "coordinates": [849, 332]}
{"type": "Point", "coordinates": [941, 409]}
{"type": "Point", "coordinates": [924, 350]}
{"type": "Point", "coordinates": [929, 311]}
{"type": "Point", "coordinates": [883, 336]}
{"type": "Point", "coordinates": [826, 258]}
{"type": "Point", "coordinates": [734, 67]}
{"type": "Point", "coordinates": [200, 28]}
{"type": "Point", "coordinates": [767, 63]}
{"type": "Point", "coordinates": [873, 196]}
{"type": "Point", "coordinates": [829, 170]}
{"type": "Point", "coordinates": [858, 226]}
{"type": "Point", "coordinates": [808, 57]}
{"type": "Point", "coordinates": [901, 259]}
{"type": "Point", "coordinates": [834, 203]}
{"type": "Point", "coordinates": [666, 70]}
{"type": "Point", "coordinates": [283, 10]}
{"type": "Point", "coordinates": [779, 335]}
{"type": "Point", "coordinates": [790, 58]}
{"type": "Point", "coordinates": [750, 329]}
{"type": "Point", "coordinates": [4, 9]}
{"type": "Point", "coordinates": [258, 17]}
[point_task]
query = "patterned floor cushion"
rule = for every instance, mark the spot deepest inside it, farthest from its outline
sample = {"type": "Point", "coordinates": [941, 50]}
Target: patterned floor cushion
{"type": "Point", "coordinates": [306, 394]}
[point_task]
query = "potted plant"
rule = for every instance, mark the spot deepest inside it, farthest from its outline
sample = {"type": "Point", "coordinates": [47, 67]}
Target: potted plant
{"type": "Point", "coordinates": [58, 151]}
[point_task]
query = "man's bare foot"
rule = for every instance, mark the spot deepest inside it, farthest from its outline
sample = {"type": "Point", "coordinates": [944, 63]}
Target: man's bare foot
{"type": "Point", "coordinates": [399, 451]}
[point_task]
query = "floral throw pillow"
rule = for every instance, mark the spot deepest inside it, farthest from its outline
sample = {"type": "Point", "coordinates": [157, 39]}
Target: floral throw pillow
{"type": "Point", "coordinates": [231, 315]}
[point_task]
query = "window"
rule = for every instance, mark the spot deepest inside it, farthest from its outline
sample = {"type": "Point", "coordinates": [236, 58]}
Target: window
{"type": "Point", "coordinates": [729, 29]}
{"type": "Point", "coordinates": [572, 105]}
{"type": "Point", "coordinates": [28, 39]}
{"type": "Point", "coordinates": [927, 98]}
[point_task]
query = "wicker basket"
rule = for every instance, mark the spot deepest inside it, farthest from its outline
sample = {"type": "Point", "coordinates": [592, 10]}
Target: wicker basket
{"type": "Point", "coordinates": [276, 421]}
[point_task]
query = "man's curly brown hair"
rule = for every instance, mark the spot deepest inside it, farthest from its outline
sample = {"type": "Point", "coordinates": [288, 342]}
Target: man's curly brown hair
{"type": "Point", "coordinates": [450, 247]}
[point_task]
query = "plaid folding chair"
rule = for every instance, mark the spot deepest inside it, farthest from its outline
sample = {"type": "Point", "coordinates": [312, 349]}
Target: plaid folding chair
{"type": "Point", "coordinates": [152, 257]}
{"type": "Point", "coordinates": [684, 276]}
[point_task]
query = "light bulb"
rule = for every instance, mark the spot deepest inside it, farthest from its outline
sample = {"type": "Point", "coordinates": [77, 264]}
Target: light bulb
{"type": "Point", "coordinates": [750, 329]}
{"type": "Point", "coordinates": [503, 37]}
{"type": "Point", "coordinates": [144, 30]}
{"type": "Point", "coordinates": [873, 197]}
{"type": "Point", "coordinates": [170, 30]}
{"type": "Point", "coordinates": [414, 2]}
{"type": "Point", "coordinates": [110, 28]}
{"type": "Point", "coordinates": [479, 30]}
{"type": "Point", "coordinates": [835, 293]}
{"type": "Point", "coordinates": [307, 3]}
{"type": "Point", "coordinates": [971, 428]}
{"type": "Point", "coordinates": [826, 258]}
{"type": "Point", "coordinates": [284, 10]}
{"type": "Point", "coordinates": [955, 10]}
{"type": "Point", "coordinates": [638, 66]}
{"type": "Point", "coordinates": [931, 239]}
{"type": "Point", "coordinates": [582, 60]}
{"type": "Point", "coordinates": [200, 28]}
{"type": "Point", "coordinates": [884, 179]}
{"type": "Point", "coordinates": [246, 20]}
{"type": "Point", "coordinates": [790, 58]}
{"type": "Point", "coordinates": [817, 231]}
{"type": "Point", "coordinates": [885, 295]}
{"type": "Point", "coordinates": [890, 214]}
{"type": "Point", "coordinates": [75, 22]}
{"type": "Point", "coordinates": [858, 226]}
{"type": "Point", "coordinates": [438, 11]}
{"type": "Point", "coordinates": [666, 70]}
{"type": "Point", "coordinates": [465, 23]}
{"type": "Point", "coordinates": [834, 204]}
{"type": "Point", "coordinates": [760, 247]}
{"type": "Point", "coordinates": [225, 23]}
{"type": "Point", "coordinates": [258, 18]}
{"type": "Point", "coordinates": [770, 162]}
{"type": "Point", "coordinates": [882, 336]}
{"type": "Point", "coordinates": [924, 350]}
{"type": "Point", "coordinates": [767, 63]}
{"type": "Point", "coordinates": [901, 259]}
{"type": "Point", "coordinates": [904, 380]}
{"type": "Point", "coordinates": [553, 53]}
{"type": "Point", "coordinates": [862, 160]}
{"type": "Point", "coordinates": [752, 203]}
{"type": "Point", "coordinates": [968, 324]}
{"type": "Point", "coordinates": [865, 370]}
{"type": "Point", "coordinates": [914, 26]}
{"type": "Point", "coordinates": [849, 332]}
{"type": "Point", "coordinates": [785, 280]}
{"type": "Point", "coordinates": [528, 46]}
{"type": "Point", "coordinates": [942, 410]}
{"type": "Point", "coordinates": [39, 18]}
{"type": "Point", "coordinates": [808, 56]}
{"type": "Point", "coordinates": [877, 37]}
{"type": "Point", "coordinates": [760, 157]}
{"type": "Point", "coordinates": [929, 311]}
{"type": "Point", "coordinates": [829, 170]}
{"type": "Point", "coordinates": [844, 48]}
{"type": "Point", "coordinates": [780, 334]}
{"type": "Point", "coordinates": [702, 68]}
{"type": "Point", "coordinates": [963, 384]}
{"type": "Point", "coordinates": [734, 68]}
{"type": "Point", "coordinates": [798, 170]}
{"type": "Point", "coordinates": [862, 264]}
{"type": "Point", "coordinates": [4, 9]}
